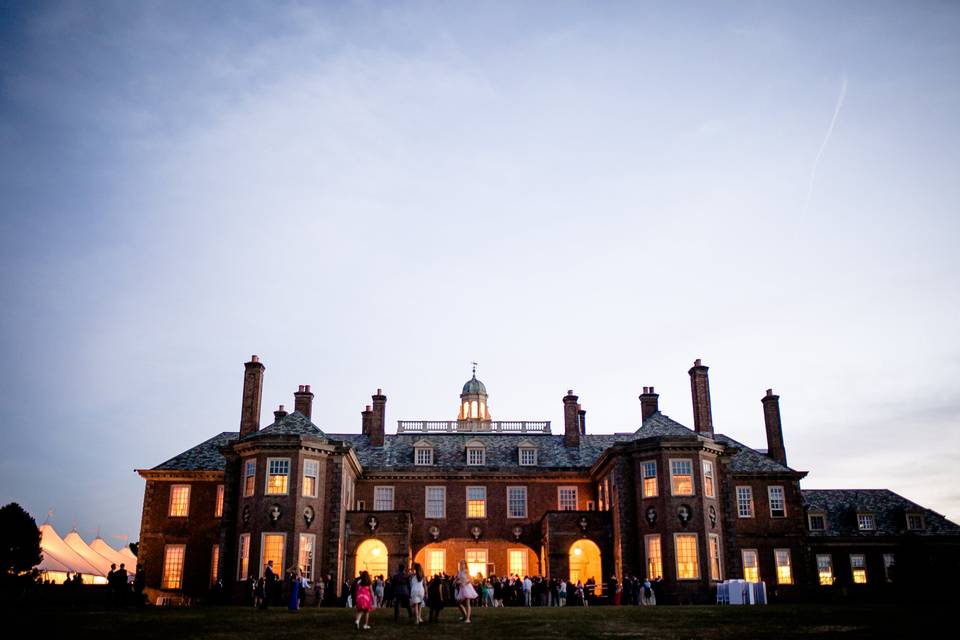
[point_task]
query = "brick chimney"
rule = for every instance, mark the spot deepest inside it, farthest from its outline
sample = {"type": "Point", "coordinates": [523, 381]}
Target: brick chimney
{"type": "Point", "coordinates": [582, 418]}
{"type": "Point", "coordinates": [252, 391]}
{"type": "Point", "coordinates": [279, 414]}
{"type": "Point", "coordinates": [700, 390]}
{"type": "Point", "coordinates": [379, 420]}
{"type": "Point", "coordinates": [366, 419]}
{"type": "Point", "coordinates": [771, 418]}
{"type": "Point", "coordinates": [649, 403]}
{"type": "Point", "coordinates": [571, 421]}
{"type": "Point", "coordinates": [303, 400]}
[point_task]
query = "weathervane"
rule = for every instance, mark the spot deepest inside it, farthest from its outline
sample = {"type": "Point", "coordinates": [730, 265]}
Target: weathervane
{"type": "Point", "coordinates": [474, 369]}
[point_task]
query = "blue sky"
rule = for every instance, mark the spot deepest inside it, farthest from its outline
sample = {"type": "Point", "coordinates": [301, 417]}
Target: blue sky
{"type": "Point", "coordinates": [576, 195]}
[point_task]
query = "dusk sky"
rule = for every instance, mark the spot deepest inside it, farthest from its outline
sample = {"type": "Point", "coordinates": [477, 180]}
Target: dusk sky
{"type": "Point", "coordinates": [580, 196]}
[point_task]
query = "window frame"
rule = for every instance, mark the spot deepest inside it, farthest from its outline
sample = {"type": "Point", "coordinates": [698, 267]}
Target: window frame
{"type": "Point", "coordinates": [693, 478]}
{"type": "Point", "coordinates": [165, 582]}
{"type": "Point", "coordinates": [378, 500]}
{"type": "Point", "coordinates": [479, 450]}
{"type": "Point", "coordinates": [644, 478]}
{"type": "Point", "coordinates": [755, 554]}
{"type": "Point", "coordinates": [269, 474]}
{"type": "Point", "coordinates": [647, 539]}
{"type": "Point", "coordinates": [868, 518]}
{"type": "Point", "coordinates": [889, 562]}
{"type": "Point", "coordinates": [788, 565]}
{"type": "Point", "coordinates": [923, 522]}
{"type": "Point", "coordinates": [576, 497]}
{"type": "Point", "coordinates": [823, 518]}
{"type": "Point", "coordinates": [530, 450]}
{"type": "Point", "coordinates": [426, 502]}
{"type": "Point", "coordinates": [186, 512]}
{"type": "Point", "coordinates": [249, 479]}
{"type": "Point", "coordinates": [829, 575]}
{"type": "Point", "coordinates": [468, 500]}
{"type": "Point", "coordinates": [316, 478]}
{"type": "Point", "coordinates": [422, 450]}
{"type": "Point", "coordinates": [525, 502]}
{"type": "Point", "coordinates": [526, 561]}
{"type": "Point", "coordinates": [713, 538]}
{"type": "Point", "coordinates": [313, 551]}
{"type": "Point", "coordinates": [218, 501]}
{"type": "Point", "coordinates": [214, 563]}
{"type": "Point", "coordinates": [676, 554]}
{"type": "Point", "coordinates": [278, 571]}
{"type": "Point", "coordinates": [243, 557]}
{"type": "Point", "coordinates": [783, 500]}
{"type": "Point", "coordinates": [854, 569]}
{"type": "Point", "coordinates": [709, 479]}
{"type": "Point", "coordinates": [740, 512]}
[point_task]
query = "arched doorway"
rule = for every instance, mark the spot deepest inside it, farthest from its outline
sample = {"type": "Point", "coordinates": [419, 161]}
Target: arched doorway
{"type": "Point", "coordinates": [585, 562]}
{"type": "Point", "coordinates": [372, 557]}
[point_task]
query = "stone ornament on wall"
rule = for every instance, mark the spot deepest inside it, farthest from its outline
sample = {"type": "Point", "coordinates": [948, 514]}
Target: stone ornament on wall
{"type": "Point", "coordinates": [275, 512]}
{"type": "Point", "coordinates": [517, 532]}
{"type": "Point", "coordinates": [308, 515]}
{"type": "Point", "coordinates": [246, 514]}
{"type": "Point", "coordinates": [583, 523]}
{"type": "Point", "coordinates": [684, 513]}
{"type": "Point", "coordinates": [476, 532]}
{"type": "Point", "coordinates": [372, 523]}
{"type": "Point", "coordinates": [712, 513]}
{"type": "Point", "coordinates": [651, 516]}
{"type": "Point", "coordinates": [434, 532]}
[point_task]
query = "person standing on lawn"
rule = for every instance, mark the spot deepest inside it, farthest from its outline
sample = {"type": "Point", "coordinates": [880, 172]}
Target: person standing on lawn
{"type": "Point", "coordinates": [465, 591]}
{"type": "Point", "coordinates": [417, 591]}
{"type": "Point", "coordinates": [364, 601]}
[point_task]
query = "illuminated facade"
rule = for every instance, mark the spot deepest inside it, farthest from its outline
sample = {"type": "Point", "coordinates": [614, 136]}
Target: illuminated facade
{"type": "Point", "coordinates": [691, 506]}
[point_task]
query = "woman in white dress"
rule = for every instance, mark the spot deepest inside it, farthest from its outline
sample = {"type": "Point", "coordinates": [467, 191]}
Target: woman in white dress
{"type": "Point", "coordinates": [417, 591]}
{"type": "Point", "coordinates": [465, 591]}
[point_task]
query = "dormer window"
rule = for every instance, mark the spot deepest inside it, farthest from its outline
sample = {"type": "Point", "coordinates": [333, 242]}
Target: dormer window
{"type": "Point", "coordinates": [423, 454]}
{"type": "Point", "coordinates": [817, 522]}
{"type": "Point", "coordinates": [528, 456]}
{"type": "Point", "coordinates": [866, 522]}
{"type": "Point", "coordinates": [476, 454]}
{"type": "Point", "coordinates": [915, 522]}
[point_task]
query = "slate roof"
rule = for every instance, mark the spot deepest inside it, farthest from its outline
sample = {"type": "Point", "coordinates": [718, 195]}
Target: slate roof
{"type": "Point", "coordinates": [841, 507]}
{"type": "Point", "coordinates": [205, 456]}
{"type": "Point", "coordinates": [294, 423]}
{"type": "Point", "coordinates": [449, 450]}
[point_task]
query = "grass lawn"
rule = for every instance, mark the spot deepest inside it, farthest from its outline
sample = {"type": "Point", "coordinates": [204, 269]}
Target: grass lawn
{"type": "Point", "coordinates": [236, 623]}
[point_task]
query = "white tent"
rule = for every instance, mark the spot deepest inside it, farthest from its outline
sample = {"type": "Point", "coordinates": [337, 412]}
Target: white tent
{"type": "Point", "coordinates": [115, 557]}
{"type": "Point", "coordinates": [75, 542]}
{"type": "Point", "coordinates": [131, 559]}
{"type": "Point", "coordinates": [59, 559]}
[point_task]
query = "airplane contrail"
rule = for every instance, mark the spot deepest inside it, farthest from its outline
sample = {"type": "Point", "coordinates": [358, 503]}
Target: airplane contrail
{"type": "Point", "coordinates": [826, 139]}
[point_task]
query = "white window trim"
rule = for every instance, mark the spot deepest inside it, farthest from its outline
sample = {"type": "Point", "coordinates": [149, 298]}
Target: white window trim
{"type": "Point", "coordinates": [753, 506]}
{"type": "Point", "coordinates": [693, 478]}
{"type": "Point", "coordinates": [303, 477]}
{"type": "Point", "coordinates": [523, 450]}
{"type": "Point", "coordinates": [873, 521]}
{"type": "Point", "coordinates": [466, 502]}
{"type": "Point", "coordinates": [576, 498]}
{"type": "Point", "coordinates": [426, 502]}
{"type": "Point", "coordinates": [646, 554]}
{"type": "Point", "coordinates": [817, 515]}
{"type": "Point", "coordinates": [923, 522]}
{"type": "Point", "coordinates": [710, 539]}
{"type": "Point", "coordinates": [712, 477]}
{"type": "Point", "coordinates": [170, 502]}
{"type": "Point", "coordinates": [262, 566]}
{"type": "Point", "coordinates": [783, 499]}
{"type": "Point", "coordinates": [743, 562]}
{"type": "Point", "coordinates": [655, 476]}
{"type": "Point", "coordinates": [525, 502]}
{"type": "Point", "coordinates": [676, 556]}
{"type": "Point", "coordinates": [253, 491]}
{"type": "Point", "coordinates": [266, 478]}
{"type": "Point", "coordinates": [776, 566]}
{"type": "Point", "coordinates": [241, 573]}
{"type": "Point", "coordinates": [393, 496]}
{"type": "Point", "coordinates": [313, 566]}
{"type": "Point", "coordinates": [416, 456]}
{"type": "Point", "coordinates": [483, 455]}
{"type": "Point", "coordinates": [526, 560]}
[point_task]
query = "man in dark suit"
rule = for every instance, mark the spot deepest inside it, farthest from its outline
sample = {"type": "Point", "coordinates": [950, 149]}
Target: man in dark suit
{"type": "Point", "coordinates": [270, 580]}
{"type": "Point", "coordinates": [401, 592]}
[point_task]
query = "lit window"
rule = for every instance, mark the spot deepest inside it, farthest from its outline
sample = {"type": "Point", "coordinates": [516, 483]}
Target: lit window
{"type": "Point", "coordinates": [649, 471]}
{"type": "Point", "coordinates": [249, 477]}
{"type": "Point", "coordinates": [278, 472]}
{"type": "Point", "coordinates": [744, 502]}
{"type": "Point", "coordinates": [474, 409]}
{"type": "Point", "coordinates": [218, 506]}
{"type": "Point", "coordinates": [436, 561]}
{"type": "Point", "coordinates": [716, 571]}
{"type": "Point", "coordinates": [654, 557]}
{"type": "Point", "coordinates": [475, 456]}
{"type": "Point", "coordinates": [271, 548]}
{"type": "Point", "coordinates": [305, 556]}
{"type": "Point", "coordinates": [423, 456]}
{"type": "Point", "coordinates": [243, 557]}
{"type": "Point", "coordinates": [528, 456]}
{"type": "Point", "coordinates": [516, 502]}
{"type": "Point", "coordinates": [866, 522]}
{"type": "Point", "coordinates": [858, 566]}
{"type": "Point", "coordinates": [517, 562]}
{"type": "Point", "coordinates": [778, 505]}
{"type": "Point", "coordinates": [173, 555]}
{"type": "Point", "coordinates": [825, 569]}
{"type": "Point", "coordinates": [476, 502]}
{"type": "Point", "coordinates": [436, 502]}
{"type": "Point", "coordinates": [915, 522]}
{"type": "Point", "coordinates": [709, 484]}
{"type": "Point", "coordinates": [889, 563]}
{"type": "Point", "coordinates": [784, 572]}
{"type": "Point", "coordinates": [687, 566]}
{"type": "Point", "coordinates": [817, 522]}
{"type": "Point", "coordinates": [179, 500]}
{"type": "Point", "coordinates": [311, 475]}
{"type": "Point", "coordinates": [476, 562]}
{"type": "Point", "coordinates": [681, 477]}
{"type": "Point", "coordinates": [214, 563]}
{"type": "Point", "coordinates": [567, 498]}
{"type": "Point", "coordinates": [383, 498]}
{"type": "Point", "coordinates": [751, 565]}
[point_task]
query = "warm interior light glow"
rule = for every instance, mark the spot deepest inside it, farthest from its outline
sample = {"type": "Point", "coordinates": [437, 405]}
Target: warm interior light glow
{"type": "Point", "coordinates": [578, 552]}
{"type": "Point", "coordinates": [372, 558]}
{"type": "Point", "coordinates": [585, 563]}
{"type": "Point", "coordinates": [375, 551]}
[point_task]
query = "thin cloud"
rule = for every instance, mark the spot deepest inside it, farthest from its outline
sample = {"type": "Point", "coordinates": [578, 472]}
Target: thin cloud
{"type": "Point", "coordinates": [826, 139]}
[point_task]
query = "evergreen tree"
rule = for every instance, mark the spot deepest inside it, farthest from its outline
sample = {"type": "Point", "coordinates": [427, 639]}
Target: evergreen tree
{"type": "Point", "coordinates": [19, 541]}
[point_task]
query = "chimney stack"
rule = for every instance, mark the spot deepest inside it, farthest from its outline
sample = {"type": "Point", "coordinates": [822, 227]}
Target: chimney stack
{"type": "Point", "coordinates": [252, 391]}
{"type": "Point", "coordinates": [571, 419]}
{"type": "Point", "coordinates": [771, 418]}
{"type": "Point", "coordinates": [366, 419]}
{"type": "Point", "coordinates": [378, 421]}
{"type": "Point", "coordinates": [303, 400]}
{"type": "Point", "coordinates": [582, 415]}
{"type": "Point", "coordinates": [279, 414]}
{"type": "Point", "coordinates": [700, 390]}
{"type": "Point", "coordinates": [649, 403]}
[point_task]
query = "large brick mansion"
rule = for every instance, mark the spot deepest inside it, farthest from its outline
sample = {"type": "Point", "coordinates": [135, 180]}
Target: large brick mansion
{"type": "Point", "coordinates": [689, 505]}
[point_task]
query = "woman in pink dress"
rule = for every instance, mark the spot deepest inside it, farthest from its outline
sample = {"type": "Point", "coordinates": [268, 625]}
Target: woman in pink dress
{"type": "Point", "coordinates": [364, 600]}
{"type": "Point", "coordinates": [465, 591]}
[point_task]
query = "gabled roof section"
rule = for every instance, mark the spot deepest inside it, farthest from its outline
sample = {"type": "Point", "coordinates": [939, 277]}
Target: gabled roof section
{"type": "Point", "coordinates": [889, 509]}
{"type": "Point", "coordinates": [659, 425]}
{"type": "Point", "coordinates": [292, 424]}
{"type": "Point", "coordinates": [205, 456]}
